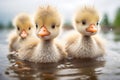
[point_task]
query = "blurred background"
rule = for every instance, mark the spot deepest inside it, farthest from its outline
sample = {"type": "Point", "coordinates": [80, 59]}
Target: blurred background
{"type": "Point", "coordinates": [109, 12]}
{"type": "Point", "coordinates": [101, 70]}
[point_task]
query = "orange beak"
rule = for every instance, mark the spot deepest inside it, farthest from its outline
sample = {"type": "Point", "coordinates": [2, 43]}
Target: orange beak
{"type": "Point", "coordinates": [91, 28]}
{"type": "Point", "coordinates": [43, 32]}
{"type": "Point", "coordinates": [23, 34]}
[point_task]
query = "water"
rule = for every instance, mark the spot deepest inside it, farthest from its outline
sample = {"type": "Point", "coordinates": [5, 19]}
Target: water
{"type": "Point", "coordinates": [103, 69]}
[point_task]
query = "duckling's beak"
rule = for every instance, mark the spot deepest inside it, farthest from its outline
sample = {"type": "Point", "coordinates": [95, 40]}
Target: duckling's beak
{"type": "Point", "coordinates": [43, 32]}
{"type": "Point", "coordinates": [23, 34]}
{"type": "Point", "coordinates": [91, 28]}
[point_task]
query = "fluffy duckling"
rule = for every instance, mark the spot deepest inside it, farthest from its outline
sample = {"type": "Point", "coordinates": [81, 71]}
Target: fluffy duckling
{"type": "Point", "coordinates": [83, 43]}
{"type": "Point", "coordinates": [23, 32]}
{"type": "Point", "coordinates": [48, 24]}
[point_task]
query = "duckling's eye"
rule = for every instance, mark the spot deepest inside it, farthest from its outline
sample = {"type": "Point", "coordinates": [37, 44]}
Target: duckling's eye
{"type": "Point", "coordinates": [53, 26]}
{"type": "Point", "coordinates": [18, 28]}
{"type": "Point", "coordinates": [84, 22]}
{"type": "Point", "coordinates": [29, 28]}
{"type": "Point", "coordinates": [36, 26]}
{"type": "Point", "coordinates": [97, 23]}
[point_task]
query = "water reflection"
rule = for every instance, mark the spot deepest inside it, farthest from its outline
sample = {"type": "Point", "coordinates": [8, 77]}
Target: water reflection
{"type": "Point", "coordinates": [82, 69]}
{"type": "Point", "coordinates": [24, 70]}
{"type": "Point", "coordinates": [64, 70]}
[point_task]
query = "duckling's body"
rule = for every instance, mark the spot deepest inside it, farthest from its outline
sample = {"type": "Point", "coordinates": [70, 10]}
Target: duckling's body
{"type": "Point", "coordinates": [48, 51]}
{"type": "Point", "coordinates": [13, 42]}
{"type": "Point", "coordinates": [82, 43]}
{"type": "Point", "coordinates": [48, 23]}
{"type": "Point", "coordinates": [22, 33]}
{"type": "Point", "coordinates": [79, 46]}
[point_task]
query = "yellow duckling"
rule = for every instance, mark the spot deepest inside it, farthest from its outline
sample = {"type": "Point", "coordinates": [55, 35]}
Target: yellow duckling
{"type": "Point", "coordinates": [23, 32]}
{"type": "Point", "coordinates": [84, 43]}
{"type": "Point", "coordinates": [48, 24]}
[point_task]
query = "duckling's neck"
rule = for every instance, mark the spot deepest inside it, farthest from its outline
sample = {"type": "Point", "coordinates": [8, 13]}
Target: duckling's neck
{"type": "Point", "coordinates": [22, 39]}
{"type": "Point", "coordinates": [86, 37]}
{"type": "Point", "coordinates": [47, 47]}
{"type": "Point", "coordinates": [86, 40]}
{"type": "Point", "coordinates": [47, 42]}
{"type": "Point", "coordinates": [47, 51]}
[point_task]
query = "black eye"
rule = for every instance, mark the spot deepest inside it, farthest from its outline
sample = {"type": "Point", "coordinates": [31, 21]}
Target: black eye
{"type": "Point", "coordinates": [18, 28]}
{"type": "Point", "coordinates": [36, 26]}
{"type": "Point", "coordinates": [53, 26]}
{"type": "Point", "coordinates": [84, 22]}
{"type": "Point", "coordinates": [97, 23]}
{"type": "Point", "coordinates": [29, 28]}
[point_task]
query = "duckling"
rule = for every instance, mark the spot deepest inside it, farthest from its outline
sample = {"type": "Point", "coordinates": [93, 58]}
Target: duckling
{"type": "Point", "coordinates": [23, 32]}
{"type": "Point", "coordinates": [48, 25]}
{"type": "Point", "coordinates": [83, 42]}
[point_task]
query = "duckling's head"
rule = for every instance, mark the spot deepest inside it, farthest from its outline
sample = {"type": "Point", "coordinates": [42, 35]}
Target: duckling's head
{"type": "Point", "coordinates": [86, 21]}
{"type": "Point", "coordinates": [23, 25]}
{"type": "Point", "coordinates": [48, 22]}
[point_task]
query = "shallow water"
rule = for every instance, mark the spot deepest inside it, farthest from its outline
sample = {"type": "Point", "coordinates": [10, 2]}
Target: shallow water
{"type": "Point", "coordinates": [103, 69]}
